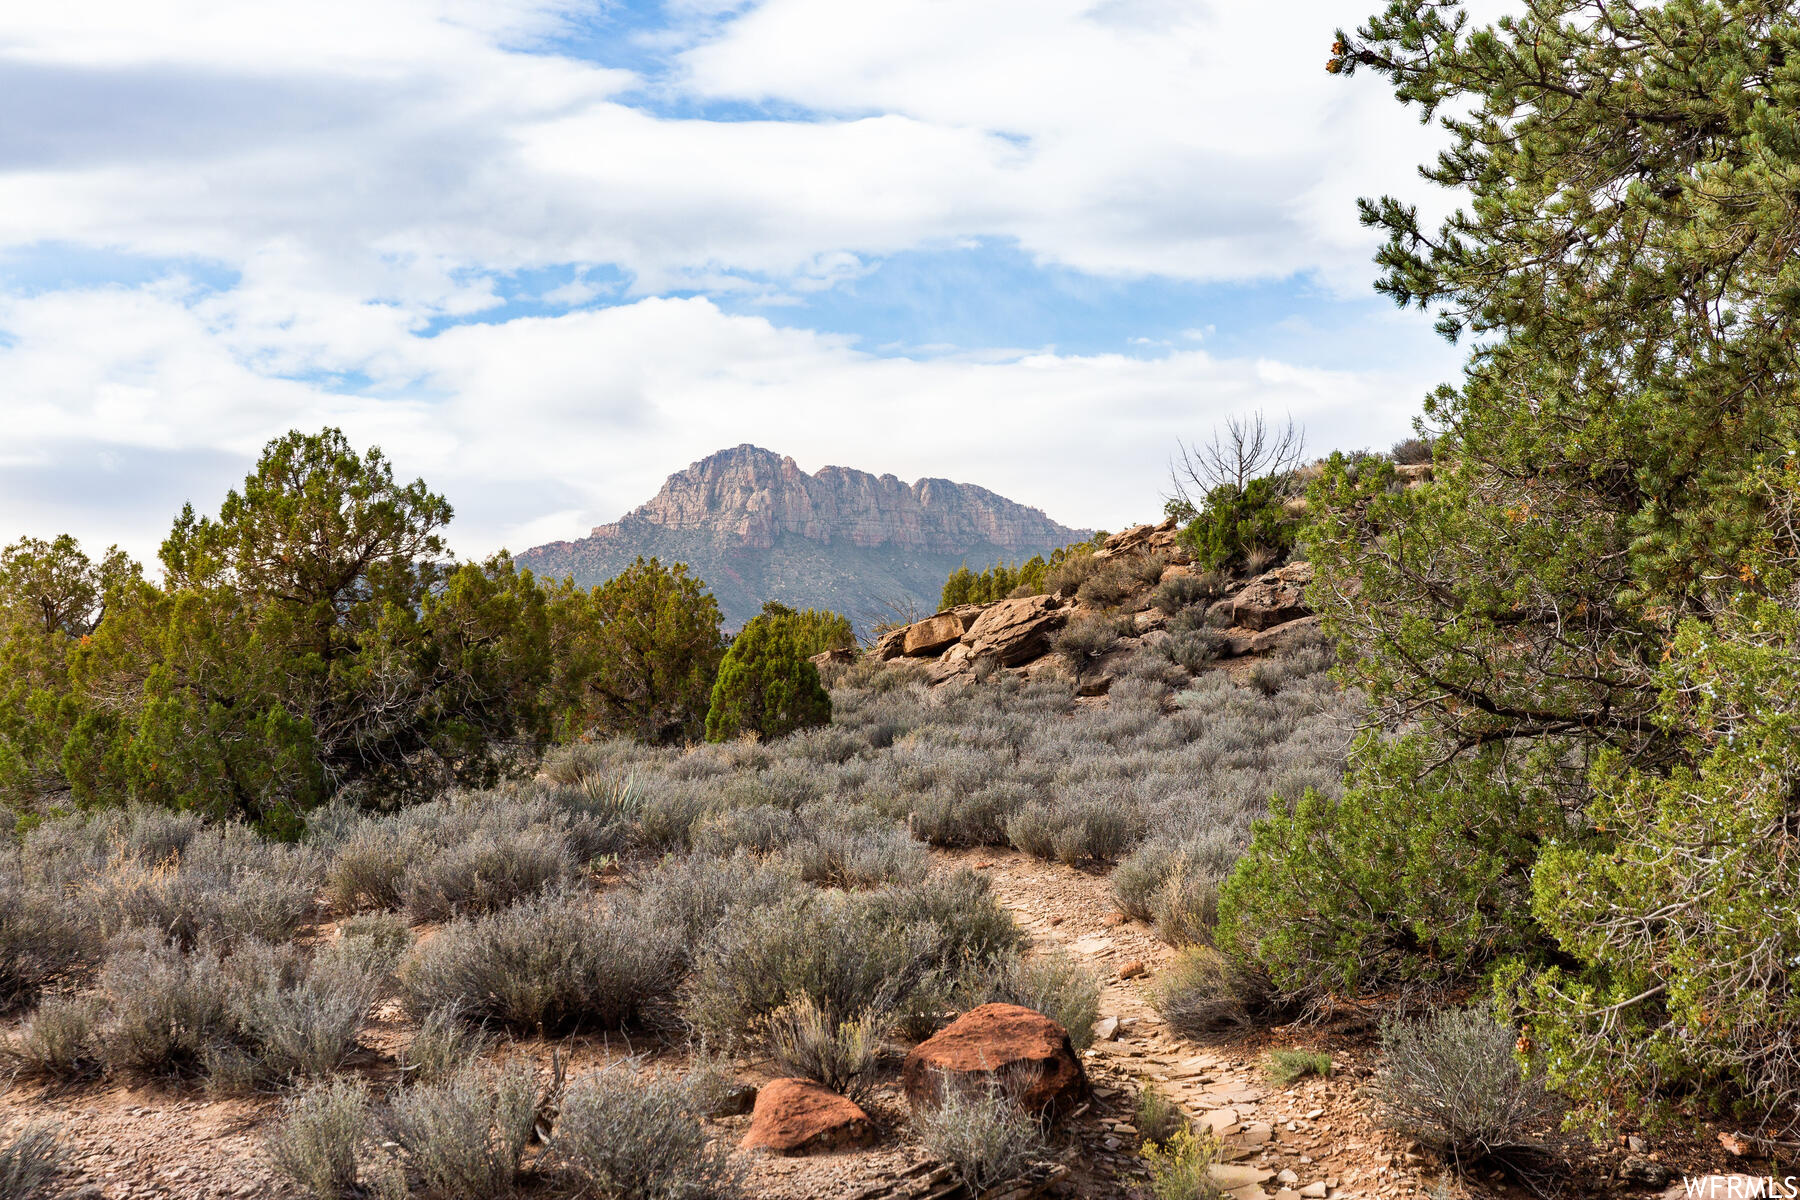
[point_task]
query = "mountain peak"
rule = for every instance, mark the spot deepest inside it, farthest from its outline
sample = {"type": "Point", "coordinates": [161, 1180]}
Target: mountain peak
{"type": "Point", "coordinates": [749, 496]}
{"type": "Point", "coordinates": [756, 527]}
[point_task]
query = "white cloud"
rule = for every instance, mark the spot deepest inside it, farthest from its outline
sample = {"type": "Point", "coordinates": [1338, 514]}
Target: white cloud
{"type": "Point", "coordinates": [1200, 141]}
{"type": "Point", "coordinates": [359, 171]}
{"type": "Point", "coordinates": [585, 413]}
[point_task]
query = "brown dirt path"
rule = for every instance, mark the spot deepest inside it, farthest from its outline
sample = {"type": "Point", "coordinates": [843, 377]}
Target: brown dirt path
{"type": "Point", "coordinates": [1320, 1130]}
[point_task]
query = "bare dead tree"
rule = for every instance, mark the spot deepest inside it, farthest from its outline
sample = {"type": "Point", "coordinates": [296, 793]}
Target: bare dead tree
{"type": "Point", "coordinates": [881, 614]}
{"type": "Point", "coordinates": [1241, 450]}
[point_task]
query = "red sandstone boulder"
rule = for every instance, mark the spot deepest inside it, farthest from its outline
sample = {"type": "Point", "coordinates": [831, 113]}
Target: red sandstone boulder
{"type": "Point", "coordinates": [795, 1116]}
{"type": "Point", "coordinates": [998, 1045]}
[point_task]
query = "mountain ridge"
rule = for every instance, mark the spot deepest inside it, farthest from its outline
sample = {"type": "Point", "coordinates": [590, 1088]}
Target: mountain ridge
{"type": "Point", "coordinates": [756, 527]}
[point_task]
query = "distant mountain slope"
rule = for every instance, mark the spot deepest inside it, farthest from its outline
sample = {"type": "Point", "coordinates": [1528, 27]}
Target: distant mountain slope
{"type": "Point", "coordinates": [756, 527]}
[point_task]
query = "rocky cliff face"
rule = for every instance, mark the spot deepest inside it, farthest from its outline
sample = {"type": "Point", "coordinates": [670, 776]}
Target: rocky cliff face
{"type": "Point", "coordinates": [750, 497]}
{"type": "Point", "coordinates": [756, 527]}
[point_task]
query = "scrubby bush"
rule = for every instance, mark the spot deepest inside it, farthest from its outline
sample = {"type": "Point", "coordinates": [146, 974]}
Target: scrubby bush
{"type": "Point", "coordinates": [689, 895]}
{"type": "Point", "coordinates": [1453, 1081]}
{"type": "Point", "coordinates": [443, 1044]}
{"type": "Point", "coordinates": [982, 1135]}
{"type": "Point", "coordinates": [1158, 1117]}
{"type": "Point", "coordinates": [373, 943]}
{"type": "Point", "coordinates": [262, 1014]}
{"type": "Point", "coordinates": [835, 949]}
{"type": "Point", "coordinates": [1412, 451]}
{"type": "Point", "coordinates": [1089, 637]}
{"type": "Point", "coordinates": [1055, 985]}
{"type": "Point", "coordinates": [1175, 885]}
{"type": "Point", "coordinates": [1108, 586]}
{"type": "Point", "coordinates": [31, 1161]}
{"type": "Point", "coordinates": [560, 962]}
{"type": "Point", "coordinates": [318, 1141]}
{"type": "Point", "coordinates": [851, 857]}
{"type": "Point", "coordinates": [1074, 831]}
{"type": "Point", "coordinates": [629, 1134]}
{"type": "Point", "coordinates": [805, 1041]}
{"type": "Point", "coordinates": [1192, 649]}
{"type": "Point", "coordinates": [846, 952]}
{"type": "Point", "coordinates": [166, 1007]}
{"type": "Point", "coordinates": [1288, 1065]}
{"type": "Point", "coordinates": [476, 852]}
{"type": "Point", "coordinates": [43, 937]}
{"type": "Point", "coordinates": [220, 885]}
{"type": "Point", "coordinates": [950, 816]}
{"type": "Point", "coordinates": [1202, 991]}
{"type": "Point", "coordinates": [1066, 577]}
{"type": "Point", "coordinates": [968, 928]}
{"type": "Point", "coordinates": [293, 1019]}
{"type": "Point", "coordinates": [1179, 1167]}
{"type": "Point", "coordinates": [483, 877]}
{"type": "Point", "coordinates": [1179, 592]}
{"type": "Point", "coordinates": [464, 1138]}
{"type": "Point", "coordinates": [59, 1040]}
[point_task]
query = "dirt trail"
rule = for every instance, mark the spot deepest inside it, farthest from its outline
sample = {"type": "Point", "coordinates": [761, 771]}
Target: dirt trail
{"type": "Point", "coordinates": [1319, 1130]}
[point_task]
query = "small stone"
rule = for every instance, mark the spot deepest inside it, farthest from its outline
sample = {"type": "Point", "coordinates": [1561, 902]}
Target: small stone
{"type": "Point", "coordinates": [1315, 1114]}
{"type": "Point", "coordinates": [1640, 1170]}
{"type": "Point", "coordinates": [1232, 1176]}
{"type": "Point", "coordinates": [1106, 1029]}
{"type": "Point", "coordinates": [1315, 1190]}
{"type": "Point", "coordinates": [1286, 1175]}
{"type": "Point", "coordinates": [1132, 969]}
{"type": "Point", "coordinates": [1112, 919]}
{"type": "Point", "coordinates": [1635, 1144]}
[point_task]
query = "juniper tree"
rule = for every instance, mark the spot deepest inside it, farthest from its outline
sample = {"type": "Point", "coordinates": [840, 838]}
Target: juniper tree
{"type": "Point", "coordinates": [639, 652]}
{"type": "Point", "coordinates": [312, 638]}
{"type": "Point", "coordinates": [1548, 625]}
{"type": "Point", "coordinates": [766, 685]}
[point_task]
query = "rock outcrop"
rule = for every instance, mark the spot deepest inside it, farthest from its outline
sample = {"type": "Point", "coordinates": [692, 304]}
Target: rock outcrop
{"type": "Point", "coordinates": [795, 1116]}
{"type": "Point", "coordinates": [1145, 539]}
{"type": "Point", "coordinates": [1274, 598]}
{"type": "Point", "coordinates": [1014, 631]}
{"type": "Point", "coordinates": [933, 634]}
{"type": "Point", "coordinates": [1001, 1046]}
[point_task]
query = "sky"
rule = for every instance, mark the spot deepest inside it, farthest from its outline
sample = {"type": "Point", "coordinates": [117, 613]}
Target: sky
{"type": "Point", "coordinates": [546, 252]}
